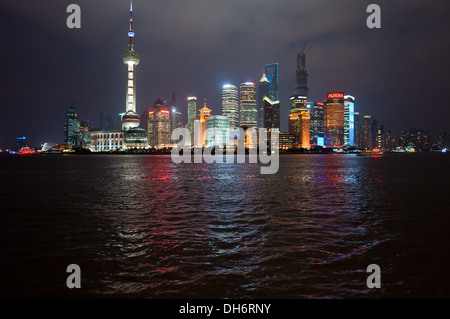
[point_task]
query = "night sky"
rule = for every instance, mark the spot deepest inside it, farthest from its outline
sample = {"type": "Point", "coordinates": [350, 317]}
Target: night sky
{"type": "Point", "coordinates": [398, 74]}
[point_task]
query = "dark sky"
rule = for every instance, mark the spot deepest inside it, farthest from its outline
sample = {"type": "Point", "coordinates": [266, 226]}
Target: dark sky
{"type": "Point", "coordinates": [398, 74]}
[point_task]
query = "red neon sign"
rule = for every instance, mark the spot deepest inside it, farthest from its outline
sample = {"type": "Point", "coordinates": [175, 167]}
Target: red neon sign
{"type": "Point", "coordinates": [335, 95]}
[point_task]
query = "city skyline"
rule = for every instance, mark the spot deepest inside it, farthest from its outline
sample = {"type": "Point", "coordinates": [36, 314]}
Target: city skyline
{"type": "Point", "coordinates": [82, 61]}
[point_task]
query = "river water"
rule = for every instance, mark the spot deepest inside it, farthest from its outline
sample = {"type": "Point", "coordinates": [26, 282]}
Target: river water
{"type": "Point", "coordinates": [144, 227]}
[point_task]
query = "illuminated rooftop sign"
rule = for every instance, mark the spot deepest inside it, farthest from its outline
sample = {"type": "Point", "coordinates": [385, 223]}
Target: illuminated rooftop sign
{"type": "Point", "coordinates": [335, 95]}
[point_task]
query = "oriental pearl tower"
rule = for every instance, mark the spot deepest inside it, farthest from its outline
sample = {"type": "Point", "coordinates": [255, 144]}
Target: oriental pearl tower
{"type": "Point", "coordinates": [130, 119]}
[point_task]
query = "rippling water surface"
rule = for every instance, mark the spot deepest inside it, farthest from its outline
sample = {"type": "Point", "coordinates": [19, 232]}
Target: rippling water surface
{"type": "Point", "coordinates": [144, 227]}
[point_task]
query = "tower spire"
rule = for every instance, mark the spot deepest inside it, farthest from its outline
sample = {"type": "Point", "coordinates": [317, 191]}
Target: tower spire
{"type": "Point", "coordinates": [131, 31]}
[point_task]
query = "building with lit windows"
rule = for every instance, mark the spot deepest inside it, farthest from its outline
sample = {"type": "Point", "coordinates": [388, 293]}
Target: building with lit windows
{"type": "Point", "coordinates": [271, 74]}
{"type": "Point", "coordinates": [317, 124]}
{"type": "Point", "coordinates": [366, 133]}
{"type": "Point", "coordinates": [218, 131]}
{"type": "Point", "coordinates": [263, 92]}
{"type": "Point", "coordinates": [192, 114]}
{"type": "Point", "coordinates": [72, 127]}
{"type": "Point", "coordinates": [247, 102]}
{"type": "Point", "coordinates": [271, 114]}
{"type": "Point", "coordinates": [299, 117]}
{"type": "Point", "coordinates": [230, 104]}
{"type": "Point", "coordinates": [357, 139]}
{"type": "Point", "coordinates": [203, 115]}
{"type": "Point", "coordinates": [158, 130]}
{"type": "Point", "coordinates": [349, 121]}
{"type": "Point", "coordinates": [334, 119]}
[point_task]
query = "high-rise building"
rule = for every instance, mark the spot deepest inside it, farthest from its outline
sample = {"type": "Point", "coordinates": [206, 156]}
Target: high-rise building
{"type": "Point", "coordinates": [218, 128]}
{"type": "Point", "coordinates": [299, 118]}
{"type": "Point", "coordinates": [334, 119]}
{"type": "Point", "coordinates": [317, 124]}
{"type": "Point", "coordinates": [374, 132]}
{"type": "Point", "coordinates": [390, 143]}
{"type": "Point", "coordinates": [175, 115]}
{"type": "Point", "coordinates": [130, 119]}
{"type": "Point", "coordinates": [192, 113]}
{"type": "Point", "coordinates": [366, 133]}
{"type": "Point", "coordinates": [357, 130]}
{"type": "Point", "coordinates": [301, 76]}
{"type": "Point", "coordinates": [158, 131]}
{"type": "Point", "coordinates": [271, 113]}
{"type": "Point", "coordinates": [203, 115]}
{"type": "Point", "coordinates": [72, 127]}
{"type": "Point", "coordinates": [349, 121]}
{"type": "Point", "coordinates": [380, 137]}
{"type": "Point", "coordinates": [247, 104]}
{"type": "Point", "coordinates": [271, 73]}
{"type": "Point", "coordinates": [263, 92]}
{"type": "Point", "coordinates": [230, 104]}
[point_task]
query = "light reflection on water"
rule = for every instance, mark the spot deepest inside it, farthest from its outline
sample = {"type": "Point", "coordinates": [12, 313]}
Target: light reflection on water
{"type": "Point", "coordinates": [142, 226]}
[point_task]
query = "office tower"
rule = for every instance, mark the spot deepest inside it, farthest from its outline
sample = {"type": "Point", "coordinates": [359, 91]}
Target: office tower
{"type": "Point", "coordinates": [301, 76]}
{"type": "Point", "coordinates": [85, 127]}
{"type": "Point", "coordinates": [158, 131]}
{"type": "Point", "coordinates": [317, 124]}
{"type": "Point", "coordinates": [334, 119]}
{"type": "Point", "coordinates": [72, 127]}
{"type": "Point", "coordinates": [192, 113]}
{"type": "Point", "coordinates": [247, 102]}
{"type": "Point", "coordinates": [271, 113]}
{"type": "Point", "coordinates": [390, 141]}
{"type": "Point", "coordinates": [203, 115]}
{"type": "Point", "coordinates": [271, 73]}
{"type": "Point", "coordinates": [380, 136]}
{"type": "Point", "coordinates": [218, 128]}
{"type": "Point", "coordinates": [130, 119]}
{"type": "Point", "coordinates": [374, 132]}
{"type": "Point", "coordinates": [298, 106]}
{"type": "Point", "coordinates": [357, 130]}
{"type": "Point", "coordinates": [366, 133]}
{"type": "Point", "coordinates": [175, 116]}
{"type": "Point", "coordinates": [230, 104]}
{"type": "Point", "coordinates": [349, 121]}
{"type": "Point", "coordinates": [263, 92]}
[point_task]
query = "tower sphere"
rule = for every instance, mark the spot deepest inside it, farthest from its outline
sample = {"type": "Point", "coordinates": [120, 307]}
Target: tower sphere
{"type": "Point", "coordinates": [131, 57]}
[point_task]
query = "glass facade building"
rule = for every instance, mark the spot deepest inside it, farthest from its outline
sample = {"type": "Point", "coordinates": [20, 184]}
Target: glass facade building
{"type": "Point", "coordinates": [247, 101]}
{"type": "Point", "coordinates": [230, 104]}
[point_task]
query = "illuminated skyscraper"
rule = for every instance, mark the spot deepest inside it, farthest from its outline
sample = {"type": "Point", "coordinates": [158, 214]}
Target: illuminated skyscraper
{"type": "Point", "coordinates": [218, 128]}
{"type": "Point", "coordinates": [317, 124]}
{"type": "Point", "coordinates": [230, 104]}
{"type": "Point", "coordinates": [247, 102]}
{"type": "Point", "coordinates": [203, 115]}
{"type": "Point", "coordinates": [130, 119]}
{"type": "Point", "coordinates": [366, 133]}
{"type": "Point", "coordinates": [158, 131]}
{"type": "Point", "coordinates": [357, 130]}
{"type": "Point", "coordinates": [334, 119]}
{"type": "Point", "coordinates": [271, 74]}
{"type": "Point", "coordinates": [72, 127]}
{"type": "Point", "coordinates": [298, 106]}
{"type": "Point", "coordinates": [263, 92]}
{"type": "Point", "coordinates": [175, 115]}
{"type": "Point", "coordinates": [192, 113]}
{"type": "Point", "coordinates": [349, 121]}
{"type": "Point", "coordinates": [271, 113]}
